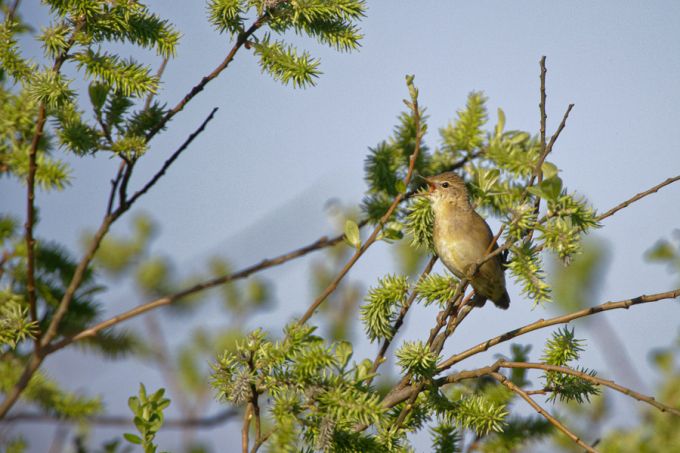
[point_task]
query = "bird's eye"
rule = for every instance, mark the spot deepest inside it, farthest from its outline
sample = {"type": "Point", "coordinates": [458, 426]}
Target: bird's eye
{"type": "Point", "coordinates": [445, 185]}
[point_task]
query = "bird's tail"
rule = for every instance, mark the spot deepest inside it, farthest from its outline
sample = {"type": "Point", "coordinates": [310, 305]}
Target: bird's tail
{"type": "Point", "coordinates": [503, 301]}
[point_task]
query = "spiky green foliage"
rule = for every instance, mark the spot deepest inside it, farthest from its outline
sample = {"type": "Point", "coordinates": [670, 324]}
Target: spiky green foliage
{"type": "Point", "coordinates": [284, 64]}
{"type": "Point", "coordinates": [317, 396]}
{"type": "Point", "coordinates": [127, 76]}
{"type": "Point", "coordinates": [479, 414]}
{"type": "Point", "coordinates": [15, 324]}
{"type": "Point", "coordinates": [417, 358]}
{"type": "Point", "coordinates": [226, 15]}
{"type": "Point", "coordinates": [527, 268]}
{"type": "Point", "coordinates": [560, 350]}
{"type": "Point", "coordinates": [437, 288]}
{"type": "Point", "coordinates": [466, 134]}
{"type": "Point", "coordinates": [420, 221]}
{"type": "Point", "coordinates": [381, 305]}
{"type": "Point", "coordinates": [445, 438]}
{"type": "Point", "coordinates": [148, 417]}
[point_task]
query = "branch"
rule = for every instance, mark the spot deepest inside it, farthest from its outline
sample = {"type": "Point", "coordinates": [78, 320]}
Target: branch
{"type": "Point", "coordinates": [637, 197]}
{"type": "Point", "coordinates": [246, 427]}
{"type": "Point", "coordinates": [122, 420]}
{"type": "Point", "coordinates": [541, 105]}
{"type": "Point", "coordinates": [30, 219]}
{"type": "Point", "coordinates": [167, 300]}
{"type": "Point", "coordinates": [506, 382]}
{"type": "Point", "coordinates": [52, 331]}
{"type": "Point", "coordinates": [372, 238]}
{"type": "Point", "coordinates": [380, 358]}
{"type": "Point", "coordinates": [172, 158]}
{"type": "Point", "coordinates": [595, 380]}
{"type": "Point", "coordinates": [540, 324]}
{"type": "Point", "coordinates": [240, 41]}
{"type": "Point", "coordinates": [12, 11]}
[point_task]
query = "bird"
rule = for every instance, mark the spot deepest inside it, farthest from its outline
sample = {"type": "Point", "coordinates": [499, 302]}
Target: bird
{"type": "Point", "coordinates": [462, 237]}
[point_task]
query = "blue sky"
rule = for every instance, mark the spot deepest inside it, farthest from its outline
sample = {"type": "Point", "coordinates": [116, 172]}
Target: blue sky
{"type": "Point", "coordinates": [255, 184]}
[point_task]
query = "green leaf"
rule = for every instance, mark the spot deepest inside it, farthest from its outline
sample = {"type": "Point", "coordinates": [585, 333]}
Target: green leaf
{"type": "Point", "coordinates": [352, 234]}
{"type": "Point", "coordinates": [133, 439]}
{"type": "Point", "coordinates": [98, 92]}
{"type": "Point", "coordinates": [549, 170]}
{"type": "Point", "coordinates": [549, 189]}
{"type": "Point", "coordinates": [501, 123]}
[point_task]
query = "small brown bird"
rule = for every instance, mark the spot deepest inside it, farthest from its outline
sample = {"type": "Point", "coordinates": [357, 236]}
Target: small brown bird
{"type": "Point", "coordinates": [461, 238]}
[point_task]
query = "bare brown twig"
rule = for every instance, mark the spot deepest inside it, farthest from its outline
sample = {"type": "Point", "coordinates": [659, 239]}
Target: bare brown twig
{"type": "Point", "coordinates": [383, 220]}
{"type": "Point", "coordinates": [45, 346]}
{"type": "Point", "coordinates": [124, 420]}
{"type": "Point", "coordinates": [511, 386]}
{"type": "Point", "coordinates": [540, 324]}
{"type": "Point", "coordinates": [380, 357]}
{"type": "Point", "coordinates": [595, 380]}
{"type": "Point", "coordinates": [637, 197]}
{"type": "Point", "coordinates": [240, 41]}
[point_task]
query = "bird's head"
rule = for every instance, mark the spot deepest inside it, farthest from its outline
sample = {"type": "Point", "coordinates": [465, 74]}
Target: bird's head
{"type": "Point", "coordinates": [446, 187]}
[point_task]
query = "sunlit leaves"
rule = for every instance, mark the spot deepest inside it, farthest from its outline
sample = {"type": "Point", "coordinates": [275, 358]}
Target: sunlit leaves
{"type": "Point", "coordinates": [382, 301]}
{"type": "Point", "coordinates": [466, 134]}
{"type": "Point", "coordinates": [416, 357]}
{"type": "Point", "coordinates": [437, 288]}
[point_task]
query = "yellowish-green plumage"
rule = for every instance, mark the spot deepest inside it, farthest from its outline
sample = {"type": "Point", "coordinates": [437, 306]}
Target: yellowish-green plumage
{"type": "Point", "coordinates": [462, 237]}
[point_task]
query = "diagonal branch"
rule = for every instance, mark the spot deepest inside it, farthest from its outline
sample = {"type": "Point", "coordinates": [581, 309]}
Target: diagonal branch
{"type": "Point", "coordinates": [380, 357]}
{"type": "Point", "coordinates": [637, 197]}
{"type": "Point", "coordinates": [540, 324]}
{"type": "Point", "coordinates": [123, 420]}
{"type": "Point", "coordinates": [240, 41]}
{"type": "Point", "coordinates": [511, 386]}
{"type": "Point", "coordinates": [167, 300]}
{"type": "Point", "coordinates": [383, 220]}
{"type": "Point", "coordinates": [595, 380]}
{"type": "Point", "coordinates": [36, 359]}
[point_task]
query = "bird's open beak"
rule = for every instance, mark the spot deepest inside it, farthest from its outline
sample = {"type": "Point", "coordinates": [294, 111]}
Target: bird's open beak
{"type": "Point", "coordinates": [430, 184]}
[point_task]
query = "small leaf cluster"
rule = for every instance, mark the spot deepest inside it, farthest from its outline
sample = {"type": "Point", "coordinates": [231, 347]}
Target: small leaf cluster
{"type": "Point", "coordinates": [527, 268]}
{"type": "Point", "coordinates": [382, 304]}
{"type": "Point", "coordinates": [15, 325]}
{"type": "Point", "coordinates": [148, 417]}
{"type": "Point", "coordinates": [473, 410]}
{"type": "Point", "coordinates": [560, 350]}
{"type": "Point", "coordinates": [417, 358]}
{"type": "Point", "coordinates": [420, 222]}
{"type": "Point", "coordinates": [437, 288]}
{"type": "Point", "coordinates": [316, 396]}
{"type": "Point", "coordinates": [330, 22]}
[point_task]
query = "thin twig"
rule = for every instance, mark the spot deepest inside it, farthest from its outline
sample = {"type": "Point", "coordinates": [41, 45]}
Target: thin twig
{"type": "Point", "coordinates": [30, 219]}
{"type": "Point", "coordinates": [380, 357]}
{"type": "Point", "coordinates": [383, 220]}
{"type": "Point", "coordinates": [46, 347]}
{"type": "Point", "coordinates": [246, 428]}
{"type": "Point", "coordinates": [172, 158]}
{"type": "Point", "coordinates": [159, 74]}
{"type": "Point", "coordinates": [541, 104]}
{"type": "Point", "coordinates": [637, 197]}
{"type": "Point", "coordinates": [12, 11]}
{"type": "Point", "coordinates": [540, 324]}
{"type": "Point", "coordinates": [124, 420]}
{"type": "Point", "coordinates": [167, 300]}
{"type": "Point", "coordinates": [511, 386]}
{"type": "Point", "coordinates": [240, 41]}
{"type": "Point", "coordinates": [595, 380]}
